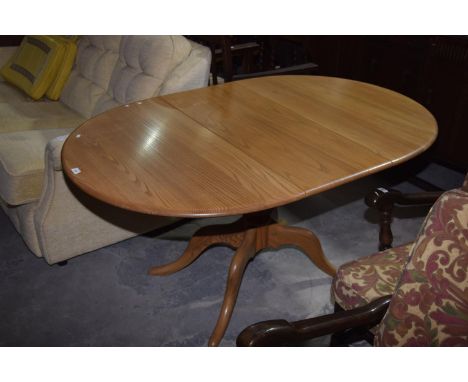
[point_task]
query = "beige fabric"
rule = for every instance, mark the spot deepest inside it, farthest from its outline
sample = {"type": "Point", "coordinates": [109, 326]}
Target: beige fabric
{"type": "Point", "coordinates": [22, 164]}
{"type": "Point", "coordinates": [23, 219]}
{"type": "Point", "coordinates": [193, 73]}
{"type": "Point", "coordinates": [144, 64]}
{"type": "Point", "coordinates": [91, 75]}
{"type": "Point", "coordinates": [37, 115]}
{"type": "Point", "coordinates": [11, 94]}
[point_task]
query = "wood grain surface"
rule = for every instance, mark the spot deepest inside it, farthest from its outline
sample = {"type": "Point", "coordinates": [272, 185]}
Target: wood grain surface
{"type": "Point", "coordinates": [244, 146]}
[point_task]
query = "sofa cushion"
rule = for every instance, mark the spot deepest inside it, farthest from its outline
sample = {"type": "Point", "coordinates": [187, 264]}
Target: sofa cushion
{"type": "Point", "coordinates": [144, 63]}
{"type": "Point", "coordinates": [34, 65]}
{"type": "Point", "coordinates": [90, 77]}
{"type": "Point", "coordinates": [11, 94]}
{"type": "Point", "coordinates": [361, 281]}
{"type": "Point", "coordinates": [22, 164]}
{"type": "Point", "coordinates": [63, 72]}
{"type": "Point", "coordinates": [17, 116]}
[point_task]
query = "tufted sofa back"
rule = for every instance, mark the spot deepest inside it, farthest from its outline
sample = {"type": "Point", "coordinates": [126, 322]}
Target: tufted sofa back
{"type": "Point", "coordinates": [430, 305]}
{"type": "Point", "coordinates": [114, 70]}
{"type": "Point", "coordinates": [143, 65]}
{"type": "Point", "coordinates": [89, 80]}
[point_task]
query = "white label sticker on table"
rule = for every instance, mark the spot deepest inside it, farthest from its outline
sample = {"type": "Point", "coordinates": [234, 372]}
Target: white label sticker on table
{"type": "Point", "coordinates": [75, 170]}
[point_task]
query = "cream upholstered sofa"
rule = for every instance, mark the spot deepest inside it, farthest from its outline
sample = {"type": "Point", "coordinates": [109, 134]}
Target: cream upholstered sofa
{"type": "Point", "coordinates": [56, 220]}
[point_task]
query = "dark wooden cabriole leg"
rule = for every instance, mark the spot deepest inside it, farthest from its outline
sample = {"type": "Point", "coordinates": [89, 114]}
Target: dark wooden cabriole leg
{"type": "Point", "coordinates": [383, 200]}
{"type": "Point", "coordinates": [385, 233]}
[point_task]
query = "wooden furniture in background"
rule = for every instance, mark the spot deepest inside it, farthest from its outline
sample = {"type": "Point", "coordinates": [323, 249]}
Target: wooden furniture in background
{"type": "Point", "coordinates": [241, 57]}
{"type": "Point", "coordinates": [384, 201]}
{"type": "Point", "coordinates": [227, 52]}
{"type": "Point", "coordinates": [246, 148]}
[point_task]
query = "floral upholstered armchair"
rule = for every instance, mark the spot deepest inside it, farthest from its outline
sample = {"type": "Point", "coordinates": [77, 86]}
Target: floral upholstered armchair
{"type": "Point", "coordinates": [412, 295]}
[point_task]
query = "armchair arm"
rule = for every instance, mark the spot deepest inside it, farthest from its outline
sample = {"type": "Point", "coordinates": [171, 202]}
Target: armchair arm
{"type": "Point", "coordinates": [384, 200]}
{"type": "Point", "coordinates": [281, 332]}
{"type": "Point", "coordinates": [54, 151]}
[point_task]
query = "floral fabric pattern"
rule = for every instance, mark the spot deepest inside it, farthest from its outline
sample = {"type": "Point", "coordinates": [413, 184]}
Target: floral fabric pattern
{"type": "Point", "coordinates": [361, 281]}
{"type": "Point", "coordinates": [430, 305]}
{"type": "Point", "coordinates": [465, 184]}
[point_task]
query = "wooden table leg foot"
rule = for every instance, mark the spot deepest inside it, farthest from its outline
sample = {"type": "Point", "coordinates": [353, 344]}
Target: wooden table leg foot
{"type": "Point", "coordinates": [305, 240]}
{"type": "Point", "coordinates": [230, 235]}
{"type": "Point", "coordinates": [244, 253]}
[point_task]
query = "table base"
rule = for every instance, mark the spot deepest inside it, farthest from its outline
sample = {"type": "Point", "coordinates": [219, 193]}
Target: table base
{"type": "Point", "coordinates": [248, 235]}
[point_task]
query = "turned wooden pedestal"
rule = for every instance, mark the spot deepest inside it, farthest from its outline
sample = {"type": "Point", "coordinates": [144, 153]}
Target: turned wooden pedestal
{"type": "Point", "coordinates": [248, 236]}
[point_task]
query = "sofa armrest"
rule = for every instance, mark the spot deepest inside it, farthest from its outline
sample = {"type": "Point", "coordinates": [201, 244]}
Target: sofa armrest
{"type": "Point", "coordinates": [54, 152]}
{"type": "Point", "coordinates": [193, 73]}
{"type": "Point", "coordinates": [384, 200]}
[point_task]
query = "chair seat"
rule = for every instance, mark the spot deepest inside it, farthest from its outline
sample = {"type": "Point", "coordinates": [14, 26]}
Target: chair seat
{"type": "Point", "coordinates": [361, 281]}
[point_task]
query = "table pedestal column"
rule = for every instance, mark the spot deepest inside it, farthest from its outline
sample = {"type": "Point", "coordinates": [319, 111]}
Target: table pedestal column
{"type": "Point", "coordinates": [248, 235]}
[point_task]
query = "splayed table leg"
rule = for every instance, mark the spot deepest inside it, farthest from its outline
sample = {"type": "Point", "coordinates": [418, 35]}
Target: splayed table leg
{"type": "Point", "coordinates": [248, 236]}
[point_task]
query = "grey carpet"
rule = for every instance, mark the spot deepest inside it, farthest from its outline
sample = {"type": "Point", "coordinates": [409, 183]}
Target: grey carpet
{"type": "Point", "coordinates": [105, 298]}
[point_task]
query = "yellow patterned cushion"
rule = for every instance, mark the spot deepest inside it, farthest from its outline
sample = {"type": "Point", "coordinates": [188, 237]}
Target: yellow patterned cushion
{"type": "Point", "coordinates": [35, 64]}
{"type": "Point", "coordinates": [64, 69]}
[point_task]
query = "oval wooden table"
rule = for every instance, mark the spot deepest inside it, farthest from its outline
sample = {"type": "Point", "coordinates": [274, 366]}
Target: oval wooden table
{"type": "Point", "coordinates": [246, 148]}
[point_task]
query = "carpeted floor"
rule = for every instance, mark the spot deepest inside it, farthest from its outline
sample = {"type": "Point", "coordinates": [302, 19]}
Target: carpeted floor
{"type": "Point", "coordinates": [105, 298]}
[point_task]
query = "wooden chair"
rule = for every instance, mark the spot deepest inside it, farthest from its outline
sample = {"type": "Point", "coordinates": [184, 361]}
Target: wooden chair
{"type": "Point", "coordinates": [412, 295]}
{"type": "Point", "coordinates": [236, 60]}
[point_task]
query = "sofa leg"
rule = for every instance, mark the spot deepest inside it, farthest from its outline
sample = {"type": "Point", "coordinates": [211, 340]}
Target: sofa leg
{"type": "Point", "coordinates": [62, 263]}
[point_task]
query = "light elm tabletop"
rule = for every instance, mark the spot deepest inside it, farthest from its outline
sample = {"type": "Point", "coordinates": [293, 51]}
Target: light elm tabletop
{"type": "Point", "coordinates": [244, 147]}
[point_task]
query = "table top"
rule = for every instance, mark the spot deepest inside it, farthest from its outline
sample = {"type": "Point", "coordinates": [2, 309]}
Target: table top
{"type": "Point", "coordinates": [244, 146]}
